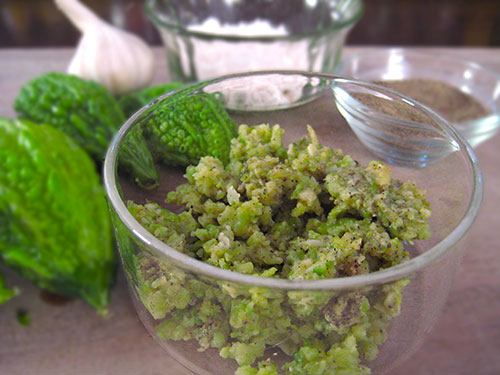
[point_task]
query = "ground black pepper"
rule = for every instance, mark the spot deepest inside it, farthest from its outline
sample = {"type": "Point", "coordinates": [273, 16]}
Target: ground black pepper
{"type": "Point", "coordinates": [450, 102]}
{"type": "Point", "coordinates": [401, 111]}
{"type": "Point", "coordinates": [415, 125]}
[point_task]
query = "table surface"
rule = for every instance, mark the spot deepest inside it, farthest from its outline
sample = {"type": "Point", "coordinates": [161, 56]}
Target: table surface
{"type": "Point", "coordinates": [68, 337]}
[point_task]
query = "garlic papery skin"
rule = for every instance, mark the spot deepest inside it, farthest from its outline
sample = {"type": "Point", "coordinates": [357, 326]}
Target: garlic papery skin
{"type": "Point", "coordinates": [117, 59]}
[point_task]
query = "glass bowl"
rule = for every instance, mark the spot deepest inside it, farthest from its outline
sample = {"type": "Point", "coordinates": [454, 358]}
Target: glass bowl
{"type": "Point", "coordinates": [396, 64]}
{"type": "Point", "coordinates": [206, 39]}
{"type": "Point", "coordinates": [219, 321]}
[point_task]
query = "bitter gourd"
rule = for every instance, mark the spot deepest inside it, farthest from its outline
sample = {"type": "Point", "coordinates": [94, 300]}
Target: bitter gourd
{"type": "Point", "coordinates": [88, 113]}
{"type": "Point", "coordinates": [56, 227]}
{"type": "Point", "coordinates": [182, 128]}
{"type": "Point", "coordinates": [5, 293]}
{"type": "Point", "coordinates": [134, 101]}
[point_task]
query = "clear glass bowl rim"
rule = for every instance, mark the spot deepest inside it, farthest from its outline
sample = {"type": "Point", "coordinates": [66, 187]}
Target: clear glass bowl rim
{"type": "Point", "coordinates": [344, 283]}
{"type": "Point", "coordinates": [149, 9]}
{"type": "Point", "coordinates": [416, 53]}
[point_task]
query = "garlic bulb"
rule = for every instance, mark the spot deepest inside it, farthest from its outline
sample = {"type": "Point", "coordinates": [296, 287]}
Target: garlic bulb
{"type": "Point", "coordinates": [113, 57]}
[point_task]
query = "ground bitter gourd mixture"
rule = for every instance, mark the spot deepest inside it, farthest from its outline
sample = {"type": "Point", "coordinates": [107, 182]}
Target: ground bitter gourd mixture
{"type": "Point", "coordinates": [302, 212]}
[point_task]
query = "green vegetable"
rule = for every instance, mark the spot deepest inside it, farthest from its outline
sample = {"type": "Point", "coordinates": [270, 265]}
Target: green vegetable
{"type": "Point", "coordinates": [5, 293]}
{"type": "Point", "coordinates": [182, 129]}
{"type": "Point", "coordinates": [132, 102]}
{"type": "Point", "coordinates": [55, 222]}
{"type": "Point", "coordinates": [135, 155]}
{"type": "Point", "coordinates": [23, 318]}
{"type": "Point", "coordinates": [88, 113]}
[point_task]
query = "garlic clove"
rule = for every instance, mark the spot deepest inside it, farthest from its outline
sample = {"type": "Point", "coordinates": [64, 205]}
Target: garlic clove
{"type": "Point", "coordinates": [119, 60]}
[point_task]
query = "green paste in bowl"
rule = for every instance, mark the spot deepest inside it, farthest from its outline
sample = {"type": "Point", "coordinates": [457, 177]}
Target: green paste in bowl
{"type": "Point", "coordinates": [302, 212]}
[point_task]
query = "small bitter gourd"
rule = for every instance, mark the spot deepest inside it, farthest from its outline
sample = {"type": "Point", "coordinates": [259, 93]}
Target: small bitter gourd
{"type": "Point", "coordinates": [182, 128]}
{"type": "Point", "coordinates": [88, 113]}
{"type": "Point", "coordinates": [56, 227]}
{"type": "Point", "coordinates": [134, 101]}
{"type": "Point", "coordinates": [5, 293]}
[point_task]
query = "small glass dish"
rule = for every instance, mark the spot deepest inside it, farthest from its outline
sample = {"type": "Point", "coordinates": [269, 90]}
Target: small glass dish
{"type": "Point", "coordinates": [393, 127]}
{"type": "Point", "coordinates": [194, 309]}
{"type": "Point", "coordinates": [397, 64]}
{"type": "Point", "coordinates": [206, 39]}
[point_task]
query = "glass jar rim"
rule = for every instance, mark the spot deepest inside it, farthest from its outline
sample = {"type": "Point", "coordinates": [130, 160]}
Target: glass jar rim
{"type": "Point", "coordinates": [152, 14]}
{"type": "Point", "coordinates": [190, 264]}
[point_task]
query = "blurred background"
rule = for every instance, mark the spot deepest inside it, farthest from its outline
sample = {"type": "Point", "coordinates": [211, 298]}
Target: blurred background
{"type": "Point", "coordinates": [37, 23]}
